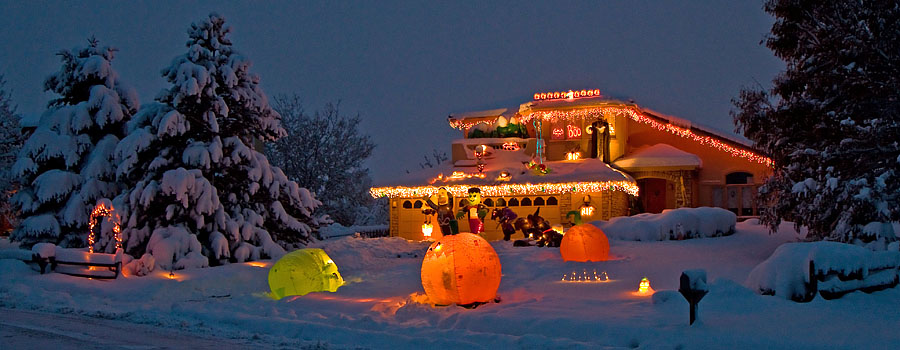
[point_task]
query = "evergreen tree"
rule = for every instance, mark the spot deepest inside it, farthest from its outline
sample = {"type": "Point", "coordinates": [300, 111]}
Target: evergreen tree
{"type": "Point", "coordinates": [11, 140]}
{"type": "Point", "coordinates": [832, 120]}
{"type": "Point", "coordinates": [65, 166]}
{"type": "Point", "coordinates": [200, 189]}
{"type": "Point", "coordinates": [332, 165]}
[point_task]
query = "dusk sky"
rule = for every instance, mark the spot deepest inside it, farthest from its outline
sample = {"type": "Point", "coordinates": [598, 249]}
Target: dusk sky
{"type": "Point", "coordinates": [404, 66]}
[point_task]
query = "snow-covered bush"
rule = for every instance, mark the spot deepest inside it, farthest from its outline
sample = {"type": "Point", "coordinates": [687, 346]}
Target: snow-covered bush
{"type": "Point", "coordinates": [199, 191]}
{"type": "Point", "coordinates": [66, 165]}
{"type": "Point", "coordinates": [142, 266]}
{"type": "Point", "coordinates": [678, 223]}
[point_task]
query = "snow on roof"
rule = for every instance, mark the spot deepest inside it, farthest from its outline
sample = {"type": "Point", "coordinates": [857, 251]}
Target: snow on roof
{"type": "Point", "coordinates": [658, 155]}
{"type": "Point", "coordinates": [687, 124]}
{"type": "Point", "coordinates": [479, 114]}
{"type": "Point", "coordinates": [574, 103]}
{"type": "Point", "coordinates": [498, 161]}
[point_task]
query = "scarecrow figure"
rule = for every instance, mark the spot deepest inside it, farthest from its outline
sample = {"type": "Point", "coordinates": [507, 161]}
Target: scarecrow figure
{"type": "Point", "coordinates": [476, 211]}
{"type": "Point", "coordinates": [444, 209]}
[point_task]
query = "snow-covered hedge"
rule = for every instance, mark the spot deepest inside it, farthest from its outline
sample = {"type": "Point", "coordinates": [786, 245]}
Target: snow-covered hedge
{"type": "Point", "coordinates": [787, 274]}
{"type": "Point", "coordinates": [681, 223]}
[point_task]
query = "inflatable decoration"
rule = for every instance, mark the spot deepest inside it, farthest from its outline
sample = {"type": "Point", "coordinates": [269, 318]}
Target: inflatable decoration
{"type": "Point", "coordinates": [303, 271]}
{"type": "Point", "coordinates": [461, 269]}
{"type": "Point", "coordinates": [584, 242]}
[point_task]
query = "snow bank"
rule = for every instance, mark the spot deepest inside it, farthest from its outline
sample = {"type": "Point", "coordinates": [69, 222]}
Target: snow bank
{"type": "Point", "coordinates": [670, 224]}
{"type": "Point", "coordinates": [786, 272]}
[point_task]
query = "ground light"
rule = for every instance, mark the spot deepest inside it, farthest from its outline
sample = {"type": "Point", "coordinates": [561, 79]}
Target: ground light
{"type": "Point", "coordinates": [644, 288]}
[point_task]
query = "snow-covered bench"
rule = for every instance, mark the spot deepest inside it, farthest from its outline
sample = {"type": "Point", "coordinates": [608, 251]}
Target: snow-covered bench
{"type": "Point", "coordinates": [77, 262]}
{"type": "Point", "coordinates": [799, 271]}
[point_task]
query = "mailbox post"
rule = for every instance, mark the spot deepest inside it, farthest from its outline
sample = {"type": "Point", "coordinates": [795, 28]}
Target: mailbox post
{"type": "Point", "coordinates": [693, 288]}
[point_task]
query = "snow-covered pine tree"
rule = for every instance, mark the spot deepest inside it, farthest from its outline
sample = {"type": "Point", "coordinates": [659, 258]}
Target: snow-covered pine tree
{"type": "Point", "coordinates": [11, 140]}
{"type": "Point", "coordinates": [333, 166]}
{"type": "Point", "coordinates": [65, 166]}
{"type": "Point", "coordinates": [831, 122]}
{"type": "Point", "coordinates": [200, 189]}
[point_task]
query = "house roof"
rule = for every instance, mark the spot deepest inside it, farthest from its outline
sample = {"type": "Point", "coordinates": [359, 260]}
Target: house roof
{"type": "Point", "coordinates": [586, 175]}
{"type": "Point", "coordinates": [658, 155]}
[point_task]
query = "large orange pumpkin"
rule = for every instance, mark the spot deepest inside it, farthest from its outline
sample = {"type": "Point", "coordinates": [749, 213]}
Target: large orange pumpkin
{"type": "Point", "coordinates": [461, 269]}
{"type": "Point", "coordinates": [584, 242]}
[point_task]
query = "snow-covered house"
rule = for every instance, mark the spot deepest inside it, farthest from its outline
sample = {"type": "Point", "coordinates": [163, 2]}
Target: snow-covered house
{"type": "Point", "coordinates": [579, 151]}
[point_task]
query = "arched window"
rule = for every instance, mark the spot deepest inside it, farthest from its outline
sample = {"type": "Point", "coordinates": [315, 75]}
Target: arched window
{"type": "Point", "coordinates": [538, 201]}
{"type": "Point", "coordinates": [526, 202]}
{"type": "Point", "coordinates": [407, 205]}
{"type": "Point", "coordinates": [501, 202]}
{"type": "Point", "coordinates": [417, 205]}
{"type": "Point", "coordinates": [552, 201]}
{"type": "Point", "coordinates": [489, 202]}
{"type": "Point", "coordinates": [513, 202]}
{"type": "Point", "coordinates": [739, 178]}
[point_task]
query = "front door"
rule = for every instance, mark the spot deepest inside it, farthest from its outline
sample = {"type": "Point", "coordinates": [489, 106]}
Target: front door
{"type": "Point", "coordinates": [653, 193]}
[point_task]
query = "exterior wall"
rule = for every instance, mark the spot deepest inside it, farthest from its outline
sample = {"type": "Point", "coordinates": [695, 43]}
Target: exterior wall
{"type": "Point", "coordinates": [683, 181]}
{"type": "Point", "coordinates": [710, 178]}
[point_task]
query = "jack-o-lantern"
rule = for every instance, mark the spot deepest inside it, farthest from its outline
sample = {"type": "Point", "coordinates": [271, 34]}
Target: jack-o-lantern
{"type": "Point", "coordinates": [303, 271]}
{"type": "Point", "coordinates": [584, 242]}
{"type": "Point", "coordinates": [461, 269]}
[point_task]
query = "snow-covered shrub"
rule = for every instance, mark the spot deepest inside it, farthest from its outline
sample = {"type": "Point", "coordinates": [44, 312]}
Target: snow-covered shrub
{"type": "Point", "coordinates": [66, 165]}
{"type": "Point", "coordinates": [198, 189]}
{"type": "Point", "coordinates": [678, 223]}
{"type": "Point", "coordinates": [142, 266]}
{"type": "Point", "coordinates": [175, 248]}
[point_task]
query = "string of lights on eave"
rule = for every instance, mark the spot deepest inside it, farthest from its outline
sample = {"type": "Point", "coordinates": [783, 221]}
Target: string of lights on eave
{"type": "Point", "coordinates": [499, 190]}
{"type": "Point", "coordinates": [633, 114]}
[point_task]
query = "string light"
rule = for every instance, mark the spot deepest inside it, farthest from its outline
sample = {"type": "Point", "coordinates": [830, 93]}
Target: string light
{"type": "Point", "coordinates": [585, 277]}
{"type": "Point", "coordinates": [508, 189]}
{"type": "Point", "coordinates": [634, 114]}
{"type": "Point", "coordinates": [510, 146]}
{"type": "Point", "coordinates": [456, 175]}
{"type": "Point", "coordinates": [102, 210]}
{"type": "Point", "coordinates": [566, 95]}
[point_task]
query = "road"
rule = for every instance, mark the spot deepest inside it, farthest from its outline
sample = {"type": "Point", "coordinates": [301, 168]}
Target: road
{"type": "Point", "coordinates": [21, 329]}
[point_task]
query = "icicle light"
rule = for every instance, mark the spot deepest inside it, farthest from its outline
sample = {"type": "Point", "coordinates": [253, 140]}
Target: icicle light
{"type": "Point", "coordinates": [507, 189]}
{"type": "Point", "coordinates": [634, 114]}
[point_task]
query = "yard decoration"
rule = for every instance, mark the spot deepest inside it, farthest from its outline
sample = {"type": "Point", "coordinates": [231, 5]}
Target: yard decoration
{"type": "Point", "coordinates": [104, 208]}
{"type": "Point", "coordinates": [444, 210]}
{"type": "Point", "coordinates": [461, 269]}
{"type": "Point", "coordinates": [475, 210]}
{"type": "Point", "coordinates": [584, 242]}
{"type": "Point", "coordinates": [644, 288]}
{"type": "Point", "coordinates": [303, 271]}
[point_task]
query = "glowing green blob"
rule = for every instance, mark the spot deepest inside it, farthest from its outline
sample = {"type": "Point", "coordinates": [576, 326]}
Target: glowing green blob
{"type": "Point", "coordinates": [303, 271]}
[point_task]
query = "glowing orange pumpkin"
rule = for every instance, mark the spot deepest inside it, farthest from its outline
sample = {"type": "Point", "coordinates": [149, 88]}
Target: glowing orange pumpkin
{"type": "Point", "coordinates": [461, 269]}
{"type": "Point", "coordinates": [584, 242]}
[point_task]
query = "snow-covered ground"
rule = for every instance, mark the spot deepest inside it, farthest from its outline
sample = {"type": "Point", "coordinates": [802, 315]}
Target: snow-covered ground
{"type": "Point", "coordinates": [381, 306]}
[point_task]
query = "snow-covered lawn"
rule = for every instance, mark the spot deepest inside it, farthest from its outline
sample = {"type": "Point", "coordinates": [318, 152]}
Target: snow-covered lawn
{"type": "Point", "coordinates": [381, 305]}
